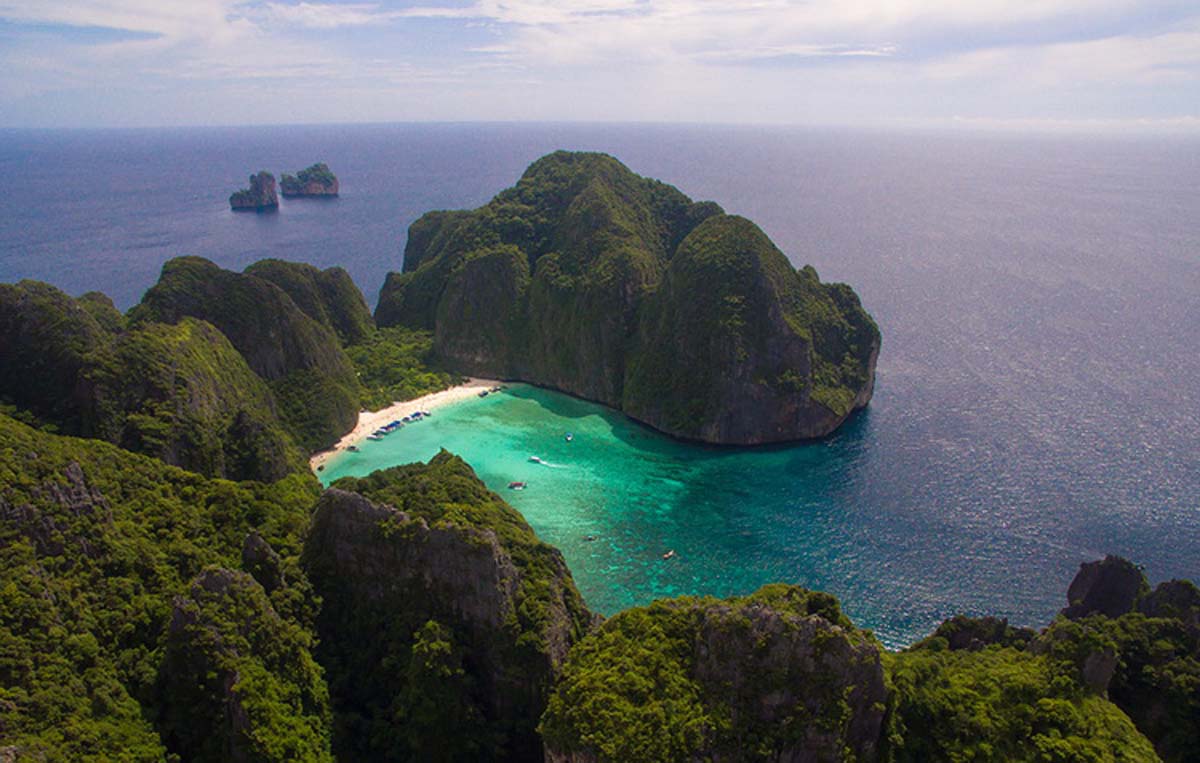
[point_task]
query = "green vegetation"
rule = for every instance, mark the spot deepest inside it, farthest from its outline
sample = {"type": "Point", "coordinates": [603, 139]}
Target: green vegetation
{"type": "Point", "coordinates": [588, 278]}
{"type": "Point", "coordinates": [317, 174]}
{"type": "Point", "coordinates": [1002, 704]}
{"type": "Point", "coordinates": [180, 393]}
{"type": "Point", "coordinates": [451, 614]}
{"type": "Point", "coordinates": [733, 319]}
{"type": "Point", "coordinates": [95, 543]}
{"type": "Point", "coordinates": [301, 359]}
{"type": "Point", "coordinates": [238, 682]}
{"type": "Point", "coordinates": [396, 364]}
{"type": "Point", "coordinates": [683, 679]}
{"type": "Point", "coordinates": [329, 297]}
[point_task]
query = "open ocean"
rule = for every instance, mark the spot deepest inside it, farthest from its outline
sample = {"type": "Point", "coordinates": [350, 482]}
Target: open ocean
{"type": "Point", "coordinates": [1038, 396]}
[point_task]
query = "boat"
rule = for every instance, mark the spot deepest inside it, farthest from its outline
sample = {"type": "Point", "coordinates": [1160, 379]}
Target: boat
{"type": "Point", "coordinates": [670, 554]}
{"type": "Point", "coordinates": [483, 393]}
{"type": "Point", "coordinates": [516, 486]}
{"type": "Point", "coordinates": [536, 460]}
{"type": "Point", "coordinates": [352, 448]}
{"type": "Point", "coordinates": [590, 538]}
{"type": "Point", "coordinates": [568, 437]}
{"type": "Point", "coordinates": [426, 414]}
{"type": "Point", "coordinates": [374, 437]}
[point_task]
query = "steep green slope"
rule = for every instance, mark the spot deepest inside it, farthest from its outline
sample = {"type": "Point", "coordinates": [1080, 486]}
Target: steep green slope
{"type": "Point", "coordinates": [95, 543]}
{"type": "Point", "coordinates": [327, 296]}
{"type": "Point", "coordinates": [301, 359]}
{"type": "Point", "coordinates": [1002, 704]}
{"type": "Point", "coordinates": [778, 675]}
{"type": "Point", "coordinates": [444, 618]}
{"type": "Point", "coordinates": [1153, 638]}
{"type": "Point", "coordinates": [177, 392]}
{"type": "Point", "coordinates": [737, 346]}
{"type": "Point", "coordinates": [48, 342]}
{"type": "Point", "coordinates": [182, 393]}
{"type": "Point", "coordinates": [587, 278]}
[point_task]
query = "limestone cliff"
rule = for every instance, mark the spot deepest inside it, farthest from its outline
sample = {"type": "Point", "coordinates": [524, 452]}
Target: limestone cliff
{"type": "Point", "coordinates": [178, 392]}
{"type": "Point", "coordinates": [327, 296]}
{"type": "Point", "coordinates": [442, 610]}
{"type": "Point", "coordinates": [301, 359]}
{"type": "Point", "coordinates": [587, 278]}
{"type": "Point", "coordinates": [238, 682]}
{"type": "Point", "coordinates": [779, 675]}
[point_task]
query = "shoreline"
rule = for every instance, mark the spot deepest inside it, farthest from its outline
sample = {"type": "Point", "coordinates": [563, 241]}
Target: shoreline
{"type": "Point", "coordinates": [369, 421]}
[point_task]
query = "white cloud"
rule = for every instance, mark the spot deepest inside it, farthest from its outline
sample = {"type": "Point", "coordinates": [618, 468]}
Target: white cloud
{"type": "Point", "coordinates": [760, 60]}
{"type": "Point", "coordinates": [1170, 56]}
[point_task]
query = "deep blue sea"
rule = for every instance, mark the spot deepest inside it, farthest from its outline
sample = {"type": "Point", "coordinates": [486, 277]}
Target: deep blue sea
{"type": "Point", "coordinates": [1038, 397]}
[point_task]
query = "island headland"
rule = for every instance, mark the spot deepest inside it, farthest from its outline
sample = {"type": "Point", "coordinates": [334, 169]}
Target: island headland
{"type": "Point", "coordinates": [589, 279]}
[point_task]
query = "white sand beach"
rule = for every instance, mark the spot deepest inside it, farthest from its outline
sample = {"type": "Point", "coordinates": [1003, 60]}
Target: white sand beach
{"type": "Point", "coordinates": [369, 421]}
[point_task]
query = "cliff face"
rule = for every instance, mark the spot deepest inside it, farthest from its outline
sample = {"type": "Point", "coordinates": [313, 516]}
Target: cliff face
{"type": "Point", "coordinates": [238, 682]}
{"type": "Point", "coordinates": [316, 180]}
{"type": "Point", "coordinates": [48, 342]}
{"type": "Point", "coordinates": [441, 609]}
{"type": "Point", "coordinates": [260, 196]}
{"type": "Point", "coordinates": [180, 392]}
{"type": "Point", "coordinates": [1153, 637]}
{"type": "Point", "coordinates": [736, 346]}
{"type": "Point", "coordinates": [587, 278]}
{"type": "Point", "coordinates": [95, 544]}
{"type": "Point", "coordinates": [779, 675]}
{"type": "Point", "coordinates": [301, 360]}
{"type": "Point", "coordinates": [327, 296]}
{"type": "Point", "coordinates": [1110, 587]}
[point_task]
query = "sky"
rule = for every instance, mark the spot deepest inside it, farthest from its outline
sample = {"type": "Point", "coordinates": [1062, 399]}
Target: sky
{"type": "Point", "coordinates": [1021, 64]}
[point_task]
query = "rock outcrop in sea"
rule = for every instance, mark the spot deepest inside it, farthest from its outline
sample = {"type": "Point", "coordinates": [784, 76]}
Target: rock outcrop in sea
{"type": "Point", "coordinates": [316, 181]}
{"type": "Point", "coordinates": [259, 197]}
{"type": "Point", "coordinates": [587, 278]}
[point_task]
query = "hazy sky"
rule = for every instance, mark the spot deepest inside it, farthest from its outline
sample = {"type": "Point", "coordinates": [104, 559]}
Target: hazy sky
{"type": "Point", "coordinates": [1106, 64]}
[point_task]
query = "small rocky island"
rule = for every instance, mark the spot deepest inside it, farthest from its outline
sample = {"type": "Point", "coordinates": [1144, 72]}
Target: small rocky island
{"type": "Point", "coordinates": [258, 197]}
{"type": "Point", "coordinates": [315, 181]}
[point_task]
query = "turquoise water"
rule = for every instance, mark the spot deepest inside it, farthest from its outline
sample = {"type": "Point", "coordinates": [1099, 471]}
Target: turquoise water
{"type": "Point", "coordinates": [736, 518]}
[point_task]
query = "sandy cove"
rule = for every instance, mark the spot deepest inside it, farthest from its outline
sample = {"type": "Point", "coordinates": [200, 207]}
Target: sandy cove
{"type": "Point", "coordinates": [369, 421]}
